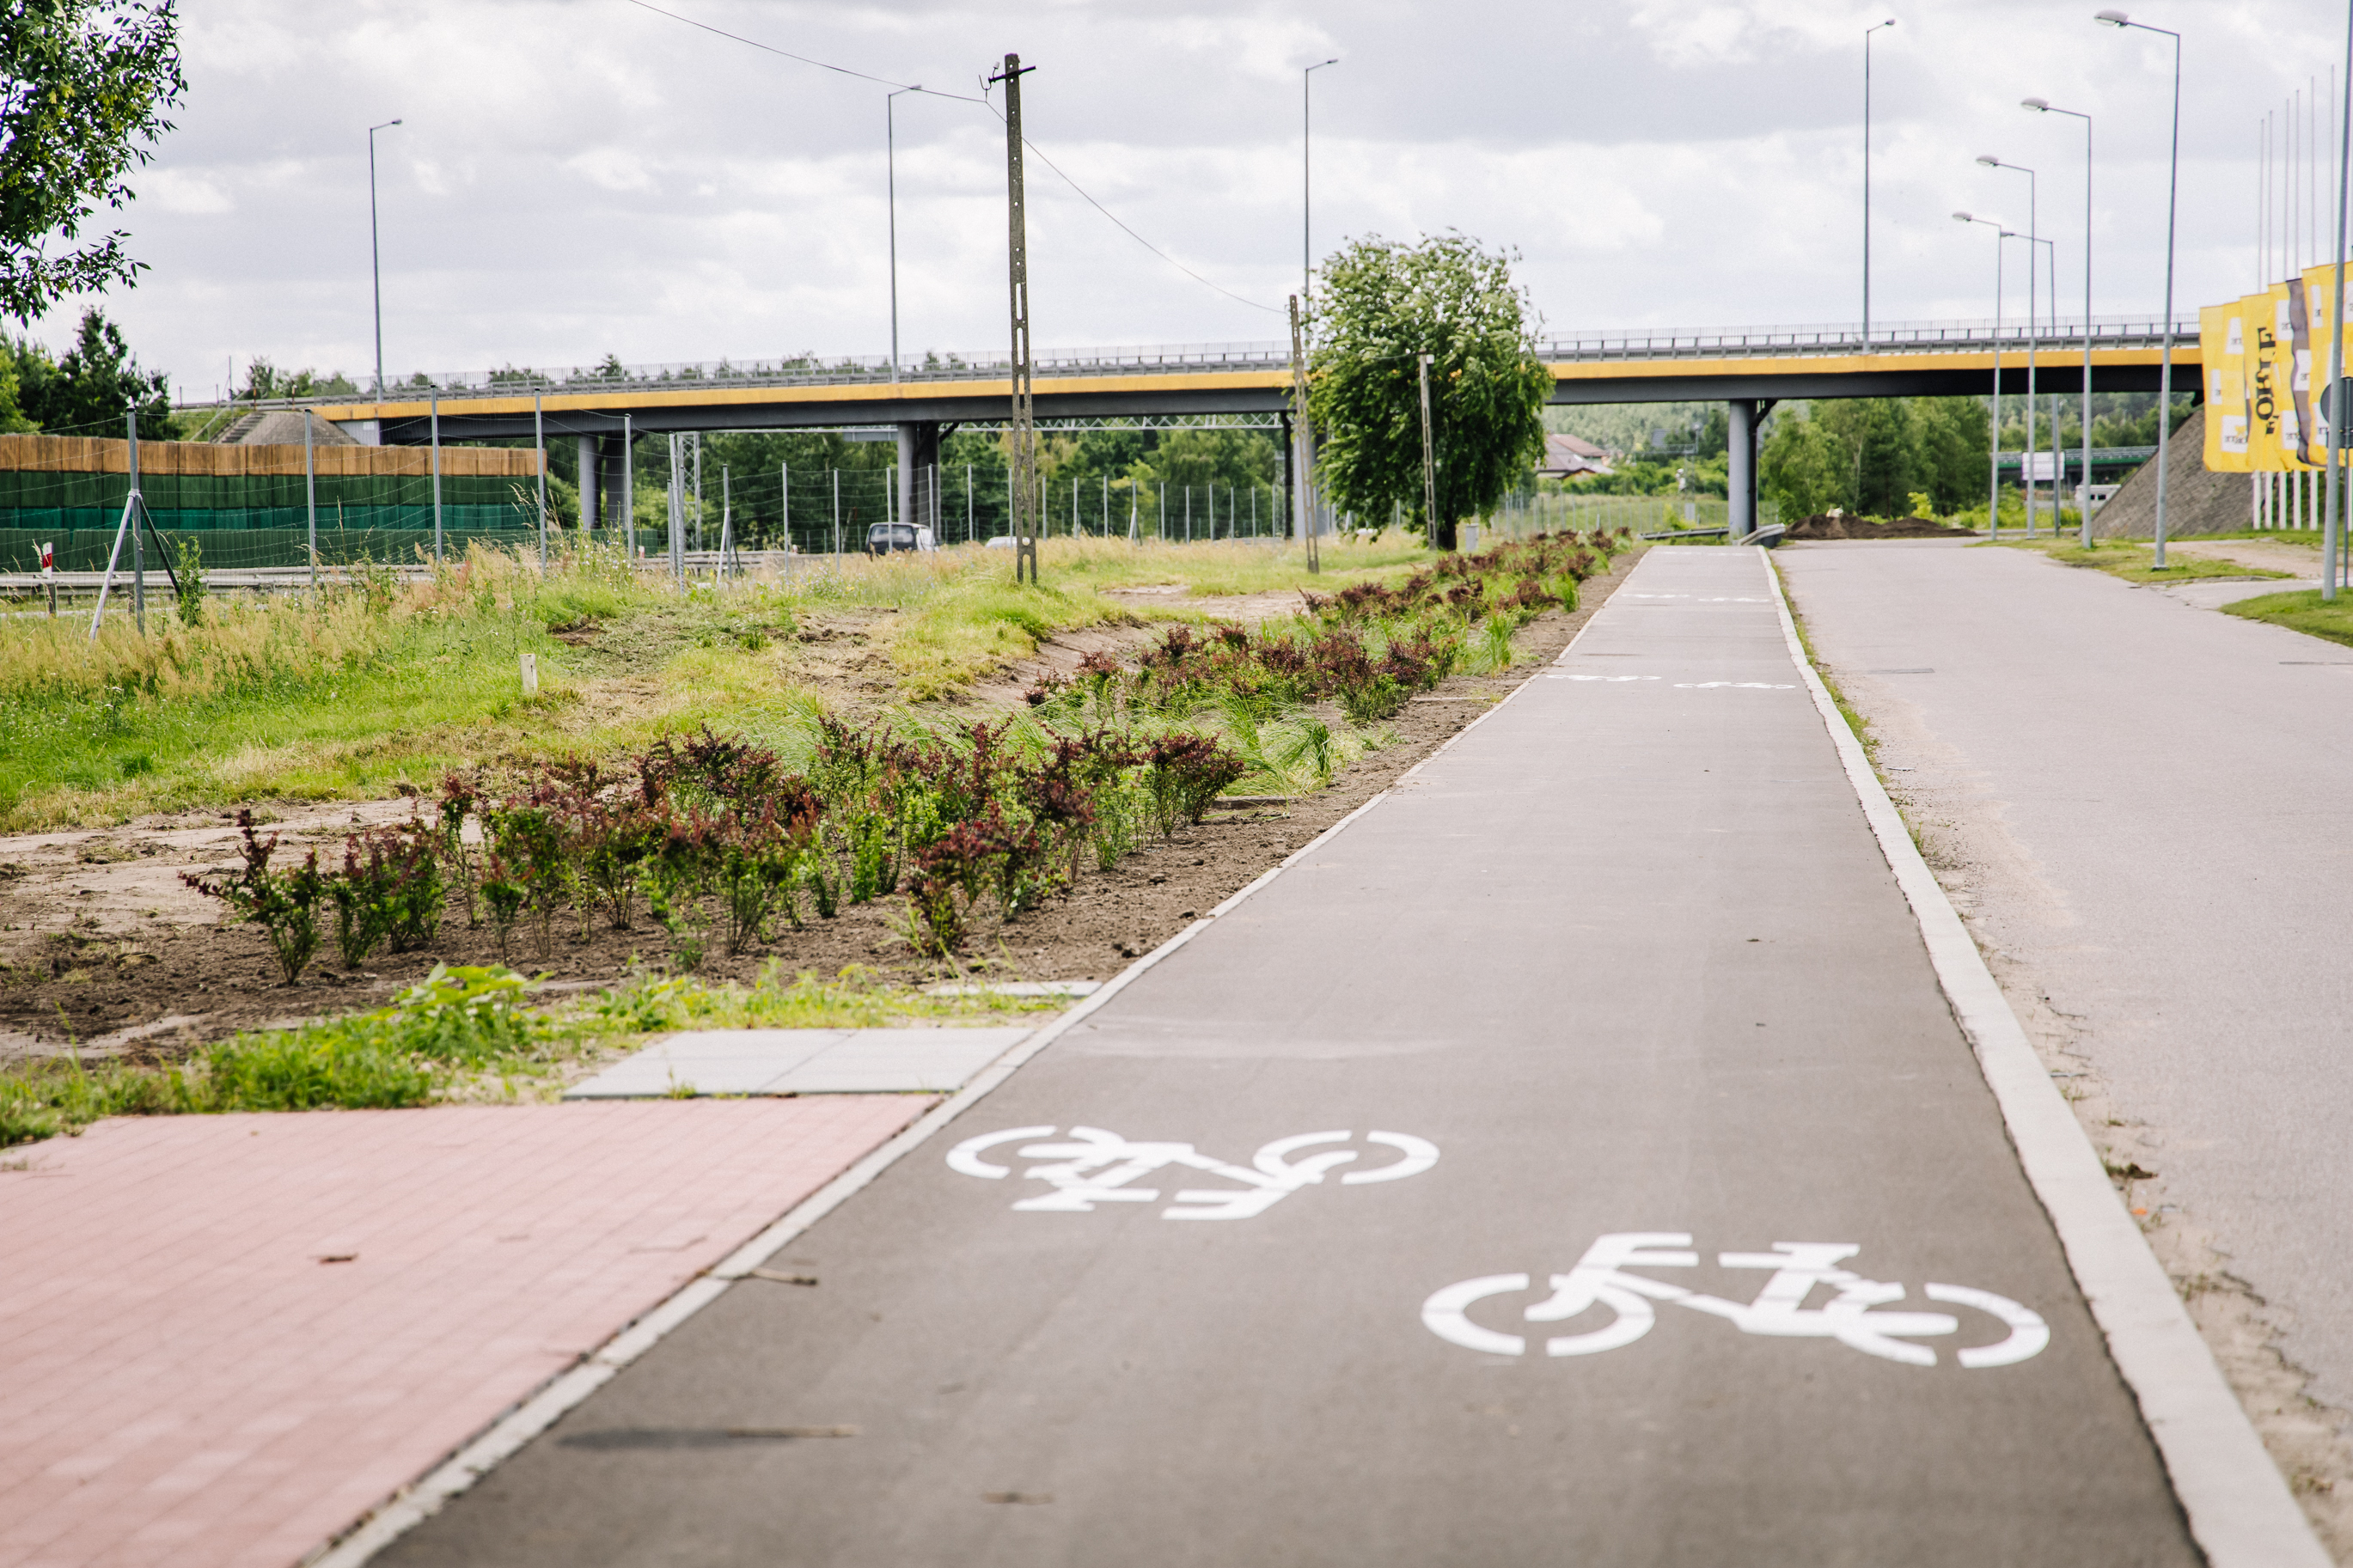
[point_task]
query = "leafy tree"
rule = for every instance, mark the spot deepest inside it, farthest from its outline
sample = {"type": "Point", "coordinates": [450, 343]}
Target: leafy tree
{"type": "Point", "coordinates": [1799, 467]}
{"type": "Point", "coordinates": [1383, 304]}
{"type": "Point", "coordinates": [264, 382]}
{"type": "Point", "coordinates": [84, 85]}
{"type": "Point", "coordinates": [1953, 434]}
{"type": "Point", "coordinates": [12, 412]}
{"type": "Point", "coordinates": [1869, 456]}
{"type": "Point", "coordinates": [93, 385]}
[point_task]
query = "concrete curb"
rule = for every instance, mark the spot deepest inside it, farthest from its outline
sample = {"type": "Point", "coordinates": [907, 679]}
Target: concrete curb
{"type": "Point", "coordinates": [2238, 1507]}
{"type": "Point", "coordinates": [508, 1435]}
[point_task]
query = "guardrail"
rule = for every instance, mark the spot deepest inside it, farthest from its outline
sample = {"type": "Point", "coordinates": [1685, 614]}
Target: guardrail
{"type": "Point", "coordinates": [2057, 339]}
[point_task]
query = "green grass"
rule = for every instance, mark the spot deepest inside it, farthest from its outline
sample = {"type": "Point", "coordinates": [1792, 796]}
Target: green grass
{"type": "Point", "coordinates": [353, 692]}
{"type": "Point", "coordinates": [459, 1034]}
{"type": "Point", "coordinates": [979, 619]}
{"type": "Point", "coordinates": [2307, 537]}
{"type": "Point", "coordinates": [1855, 721]}
{"type": "Point", "coordinates": [2302, 611]}
{"type": "Point", "coordinates": [2132, 561]}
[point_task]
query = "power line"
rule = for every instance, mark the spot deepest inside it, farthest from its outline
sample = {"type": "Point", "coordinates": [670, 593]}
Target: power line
{"type": "Point", "coordinates": [1133, 235]}
{"type": "Point", "coordinates": [961, 98]}
{"type": "Point", "coordinates": [771, 48]}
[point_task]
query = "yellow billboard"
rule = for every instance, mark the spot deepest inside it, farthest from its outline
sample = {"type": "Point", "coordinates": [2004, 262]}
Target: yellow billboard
{"type": "Point", "coordinates": [2272, 424]}
{"type": "Point", "coordinates": [2318, 284]}
{"type": "Point", "coordinates": [2223, 350]}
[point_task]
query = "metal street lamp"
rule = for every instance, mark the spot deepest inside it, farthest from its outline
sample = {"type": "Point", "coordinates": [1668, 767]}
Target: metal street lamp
{"type": "Point", "coordinates": [1306, 173]}
{"type": "Point", "coordinates": [1866, 176]}
{"type": "Point", "coordinates": [891, 181]}
{"type": "Point", "coordinates": [2083, 500]}
{"type": "Point", "coordinates": [2032, 299]}
{"type": "Point", "coordinates": [375, 264]}
{"type": "Point", "coordinates": [2172, 203]}
{"type": "Point", "coordinates": [2051, 249]}
{"type": "Point", "coordinates": [1993, 464]}
{"type": "Point", "coordinates": [2332, 521]}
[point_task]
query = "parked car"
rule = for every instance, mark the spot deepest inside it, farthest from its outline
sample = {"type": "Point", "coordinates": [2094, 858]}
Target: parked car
{"type": "Point", "coordinates": [885, 537]}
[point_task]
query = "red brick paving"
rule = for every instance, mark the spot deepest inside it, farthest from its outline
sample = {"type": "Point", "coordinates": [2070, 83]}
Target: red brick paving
{"type": "Point", "coordinates": [182, 1382]}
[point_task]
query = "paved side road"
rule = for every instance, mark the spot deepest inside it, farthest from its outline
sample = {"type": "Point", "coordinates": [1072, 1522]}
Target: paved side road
{"type": "Point", "coordinates": [1572, 1160]}
{"type": "Point", "coordinates": [2146, 801]}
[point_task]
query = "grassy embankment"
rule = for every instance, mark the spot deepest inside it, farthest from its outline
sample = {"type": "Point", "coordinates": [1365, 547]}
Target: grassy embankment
{"type": "Point", "coordinates": [2302, 612]}
{"type": "Point", "coordinates": [2131, 561]}
{"type": "Point", "coordinates": [461, 1035]}
{"type": "Point", "coordinates": [356, 692]}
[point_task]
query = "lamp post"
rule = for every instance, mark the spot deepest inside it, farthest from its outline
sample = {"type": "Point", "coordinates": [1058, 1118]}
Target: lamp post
{"type": "Point", "coordinates": [375, 264]}
{"type": "Point", "coordinates": [890, 183]}
{"type": "Point", "coordinates": [1993, 464]}
{"type": "Point", "coordinates": [2083, 498]}
{"type": "Point", "coordinates": [1866, 176]}
{"type": "Point", "coordinates": [1306, 173]}
{"type": "Point", "coordinates": [2050, 254]}
{"type": "Point", "coordinates": [2172, 203]}
{"type": "Point", "coordinates": [2026, 473]}
{"type": "Point", "coordinates": [2337, 413]}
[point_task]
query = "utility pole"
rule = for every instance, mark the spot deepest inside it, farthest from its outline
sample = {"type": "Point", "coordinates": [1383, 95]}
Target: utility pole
{"type": "Point", "coordinates": [1025, 432]}
{"type": "Point", "coordinates": [1428, 458]}
{"type": "Point", "coordinates": [1303, 434]}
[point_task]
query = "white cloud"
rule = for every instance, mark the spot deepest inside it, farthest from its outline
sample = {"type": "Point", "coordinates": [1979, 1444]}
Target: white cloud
{"type": "Point", "coordinates": [575, 176]}
{"type": "Point", "coordinates": [187, 192]}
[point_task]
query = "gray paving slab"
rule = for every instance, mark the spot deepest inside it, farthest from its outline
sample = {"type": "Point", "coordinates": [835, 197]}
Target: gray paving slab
{"type": "Point", "coordinates": [2166, 788]}
{"type": "Point", "coordinates": [801, 1061]}
{"type": "Point", "coordinates": [1624, 962]}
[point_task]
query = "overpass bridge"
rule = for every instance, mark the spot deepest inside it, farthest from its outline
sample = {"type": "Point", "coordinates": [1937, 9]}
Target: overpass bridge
{"type": "Point", "coordinates": [1749, 369]}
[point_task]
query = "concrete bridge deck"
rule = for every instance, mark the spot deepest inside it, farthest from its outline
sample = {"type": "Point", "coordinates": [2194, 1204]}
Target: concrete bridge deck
{"type": "Point", "coordinates": [1751, 364]}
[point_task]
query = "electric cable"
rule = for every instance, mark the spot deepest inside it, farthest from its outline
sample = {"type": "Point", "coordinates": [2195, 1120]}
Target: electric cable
{"type": "Point", "coordinates": [962, 98]}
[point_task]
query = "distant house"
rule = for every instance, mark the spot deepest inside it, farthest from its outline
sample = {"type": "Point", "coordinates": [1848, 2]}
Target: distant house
{"type": "Point", "coordinates": [1570, 456]}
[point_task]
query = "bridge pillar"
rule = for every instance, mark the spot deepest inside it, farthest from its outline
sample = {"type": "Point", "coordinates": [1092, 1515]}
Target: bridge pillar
{"type": "Point", "coordinates": [1741, 454]}
{"type": "Point", "coordinates": [919, 467]}
{"type": "Point", "coordinates": [588, 472]}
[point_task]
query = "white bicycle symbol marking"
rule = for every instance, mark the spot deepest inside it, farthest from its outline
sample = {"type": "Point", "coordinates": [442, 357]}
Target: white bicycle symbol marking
{"type": "Point", "coordinates": [1096, 1168]}
{"type": "Point", "coordinates": [1780, 1311]}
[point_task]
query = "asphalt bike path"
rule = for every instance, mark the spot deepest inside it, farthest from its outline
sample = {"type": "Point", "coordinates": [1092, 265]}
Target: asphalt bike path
{"type": "Point", "coordinates": [1571, 1159]}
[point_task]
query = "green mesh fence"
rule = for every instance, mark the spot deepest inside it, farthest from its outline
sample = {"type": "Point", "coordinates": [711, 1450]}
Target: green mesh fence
{"type": "Point", "coordinates": [258, 520]}
{"type": "Point", "coordinates": [83, 545]}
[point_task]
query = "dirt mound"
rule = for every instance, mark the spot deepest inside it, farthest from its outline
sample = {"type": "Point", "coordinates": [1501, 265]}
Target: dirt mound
{"type": "Point", "coordinates": [1837, 525]}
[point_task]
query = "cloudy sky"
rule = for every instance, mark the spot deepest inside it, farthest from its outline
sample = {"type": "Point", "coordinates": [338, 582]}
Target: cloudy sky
{"type": "Point", "coordinates": [577, 177]}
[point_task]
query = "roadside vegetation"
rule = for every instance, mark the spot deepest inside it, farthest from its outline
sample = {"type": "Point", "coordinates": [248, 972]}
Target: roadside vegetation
{"type": "Point", "coordinates": [2132, 561]}
{"type": "Point", "coordinates": [724, 841]}
{"type": "Point", "coordinates": [2302, 611]}
{"type": "Point", "coordinates": [382, 684]}
{"type": "Point", "coordinates": [739, 820]}
{"type": "Point", "coordinates": [462, 1034]}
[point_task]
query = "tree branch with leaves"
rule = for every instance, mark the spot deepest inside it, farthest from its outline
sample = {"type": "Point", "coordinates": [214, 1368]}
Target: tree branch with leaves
{"type": "Point", "coordinates": [83, 88]}
{"type": "Point", "coordinates": [1381, 305]}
